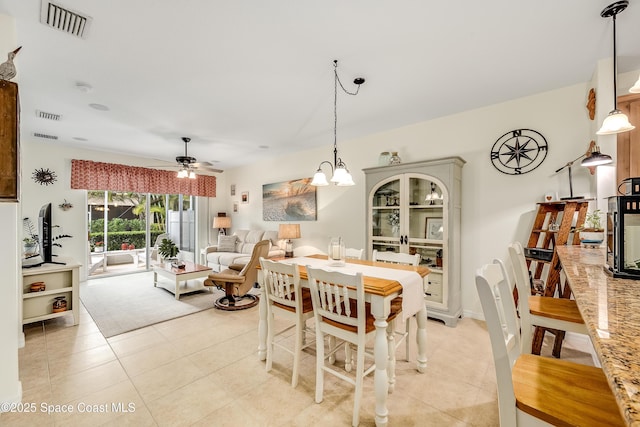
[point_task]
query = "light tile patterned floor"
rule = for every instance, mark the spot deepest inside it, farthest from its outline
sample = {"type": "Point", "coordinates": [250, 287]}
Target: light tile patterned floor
{"type": "Point", "coordinates": [203, 370]}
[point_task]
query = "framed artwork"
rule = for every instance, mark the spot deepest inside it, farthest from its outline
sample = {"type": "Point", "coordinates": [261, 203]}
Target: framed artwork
{"type": "Point", "coordinates": [244, 197]}
{"type": "Point", "coordinates": [235, 206]}
{"type": "Point", "coordinates": [293, 200]}
{"type": "Point", "coordinates": [233, 189]}
{"type": "Point", "coordinates": [434, 230]}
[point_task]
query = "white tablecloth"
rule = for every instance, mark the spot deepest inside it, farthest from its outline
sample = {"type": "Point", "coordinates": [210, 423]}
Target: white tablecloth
{"type": "Point", "coordinates": [412, 288]}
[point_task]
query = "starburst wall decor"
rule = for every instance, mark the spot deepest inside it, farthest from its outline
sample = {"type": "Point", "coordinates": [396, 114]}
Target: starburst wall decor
{"type": "Point", "coordinates": [44, 176]}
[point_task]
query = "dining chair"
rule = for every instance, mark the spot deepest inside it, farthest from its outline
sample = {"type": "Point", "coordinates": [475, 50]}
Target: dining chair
{"type": "Point", "coordinates": [340, 311]}
{"type": "Point", "coordinates": [403, 259]}
{"type": "Point", "coordinates": [535, 390]}
{"type": "Point", "coordinates": [560, 314]}
{"type": "Point", "coordinates": [354, 253]}
{"type": "Point", "coordinates": [285, 297]}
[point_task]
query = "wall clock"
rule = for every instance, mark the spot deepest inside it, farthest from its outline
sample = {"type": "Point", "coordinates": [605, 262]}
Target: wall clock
{"type": "Point", "coordinates": [519, 151]}
{"type": "Point", "coordinates": [44, 176]}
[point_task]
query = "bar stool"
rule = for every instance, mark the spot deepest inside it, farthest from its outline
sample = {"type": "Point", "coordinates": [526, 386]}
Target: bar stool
{"type": "Point", "coordinates": [536, 390]}
{"type": "Point", "coordinates": [548, 312]}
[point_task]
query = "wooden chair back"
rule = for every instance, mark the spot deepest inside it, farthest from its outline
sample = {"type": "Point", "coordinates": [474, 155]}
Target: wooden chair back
{"type": "Point", "coordinates": [281, 284]}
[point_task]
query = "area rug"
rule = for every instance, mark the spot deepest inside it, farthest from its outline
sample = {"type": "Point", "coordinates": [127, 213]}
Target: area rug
{"type": "Point", "coordinates": [124, 303]}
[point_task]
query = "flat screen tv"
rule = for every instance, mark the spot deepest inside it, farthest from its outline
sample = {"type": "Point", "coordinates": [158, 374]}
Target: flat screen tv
{"type": "Point", "coordinates": [45, 240]}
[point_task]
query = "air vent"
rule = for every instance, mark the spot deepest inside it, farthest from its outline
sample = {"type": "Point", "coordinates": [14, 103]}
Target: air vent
{"type": "Point", "coordinates": [45, 136]}
{"type": "Point", "coordinates": [64, 19]}
{"type": "Point", "coordinates": [48, 116]}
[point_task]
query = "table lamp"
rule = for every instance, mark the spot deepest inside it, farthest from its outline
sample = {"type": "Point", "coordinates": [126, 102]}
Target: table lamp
{"type": "Point", "coordinates": [222, 222]}
{"type": "Point", "coordinates": [288, 232]}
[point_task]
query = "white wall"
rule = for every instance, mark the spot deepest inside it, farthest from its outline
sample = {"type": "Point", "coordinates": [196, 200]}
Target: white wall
{"type": "Point", "coordinates": [10, 326]}
{"type": "Point", "coordinates": [497, 208]}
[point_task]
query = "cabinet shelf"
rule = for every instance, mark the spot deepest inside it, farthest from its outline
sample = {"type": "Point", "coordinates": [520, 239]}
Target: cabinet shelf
{"type": "Point", "coordinates": [49, 292]}
{"type": "Point", "coordinates": [61, 280]}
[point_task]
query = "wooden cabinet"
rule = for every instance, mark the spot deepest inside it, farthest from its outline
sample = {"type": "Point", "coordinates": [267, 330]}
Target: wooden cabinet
{"type": "Point", "coordinates": [415, 208]}
{"type": "Point", "coordinates": [59, 281]}
{"type": "Point", "coordinates": [9, 160]}
{"type": "Point", "coordinates": [628, 148]}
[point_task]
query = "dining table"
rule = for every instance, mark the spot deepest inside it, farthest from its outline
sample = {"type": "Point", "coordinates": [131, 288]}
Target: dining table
{"type": "Point", "coordinates": [382, 283]}
{"type": "Point", "coordinates": [610, 307]}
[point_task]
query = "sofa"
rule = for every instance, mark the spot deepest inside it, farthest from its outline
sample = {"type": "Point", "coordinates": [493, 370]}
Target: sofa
{"type": "Point", "coordinates": [237, 248]}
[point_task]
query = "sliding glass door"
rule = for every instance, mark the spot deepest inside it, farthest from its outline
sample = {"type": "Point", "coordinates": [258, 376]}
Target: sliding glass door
{"type": "Point", "coordinates": [123, 229]}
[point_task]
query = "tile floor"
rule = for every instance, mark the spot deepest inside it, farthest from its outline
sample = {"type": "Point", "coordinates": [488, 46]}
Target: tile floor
{"type": "Point", "coordinates": [203, 370]}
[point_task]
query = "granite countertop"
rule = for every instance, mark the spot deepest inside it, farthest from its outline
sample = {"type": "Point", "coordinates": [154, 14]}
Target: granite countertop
{"type": "Point", "coordinates": [610, 308]}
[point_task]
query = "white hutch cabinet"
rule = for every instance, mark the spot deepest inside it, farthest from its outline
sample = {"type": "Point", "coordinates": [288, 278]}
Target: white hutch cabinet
{"type": "Point", "coordinates": [415, 208]}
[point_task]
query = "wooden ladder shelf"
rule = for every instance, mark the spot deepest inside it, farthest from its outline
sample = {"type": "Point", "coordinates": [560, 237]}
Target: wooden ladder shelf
{"type": "Point", "coordinates": [571, 214]}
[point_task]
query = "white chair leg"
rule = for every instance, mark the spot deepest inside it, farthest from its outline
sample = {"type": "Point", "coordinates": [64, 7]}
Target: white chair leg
{"type": "Point", "coordinates": [297, 353]}
{"type": "Point", "coordinates": [359, 385]}
{"type": "Point", "coordinates": [348, 357]}
{"type": "Point", "coordinates": [319, 365]}
{"type": "Point", "coordinates": [270, 334]}
{"type": "Point", "coordinates": [332, 344]}
{"type": "Point", "coordinates": [407, 339]}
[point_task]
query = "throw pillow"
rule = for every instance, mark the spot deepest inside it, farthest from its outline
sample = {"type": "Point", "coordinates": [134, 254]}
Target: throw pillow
{"type": "Point", "coordinates": [226, 243]}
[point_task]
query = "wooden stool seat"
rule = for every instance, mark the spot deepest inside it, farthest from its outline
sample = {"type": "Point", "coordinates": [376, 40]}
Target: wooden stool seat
{"type": "Point", "coordinates": [564, 393]}
{"type": "Point", "coordinates": [555, 308]}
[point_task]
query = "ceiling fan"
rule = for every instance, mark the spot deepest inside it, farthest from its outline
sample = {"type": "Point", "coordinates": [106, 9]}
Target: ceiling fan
{"type": "Point", "coordinates": [189, 165]}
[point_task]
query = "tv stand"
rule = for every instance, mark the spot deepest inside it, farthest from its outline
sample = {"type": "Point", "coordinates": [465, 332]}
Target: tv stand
{"type": "Point", "coordinates": [61, 279]}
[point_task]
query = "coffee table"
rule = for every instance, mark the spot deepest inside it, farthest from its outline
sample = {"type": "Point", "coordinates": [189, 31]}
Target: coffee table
{"type": "Point", "coordinates": [189, 272]}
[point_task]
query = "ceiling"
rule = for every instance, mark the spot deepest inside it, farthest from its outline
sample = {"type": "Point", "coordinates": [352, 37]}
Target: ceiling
{"type": "Point", "coordinates": [249, 79]}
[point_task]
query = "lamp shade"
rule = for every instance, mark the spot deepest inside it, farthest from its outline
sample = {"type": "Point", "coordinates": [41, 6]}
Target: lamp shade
{"type": "Point", "coordinates": [319, 179]}
{"type": "Point", "coordinates": [221, 222]}
{"type": "Point", "coordinates": [289, 231]}
{"type": "Point", "coordinates": [616, 122]}
{"type": "Point", "coordinates": [596, 158]}
{"type": "Point", "coordinates": [636, 87]}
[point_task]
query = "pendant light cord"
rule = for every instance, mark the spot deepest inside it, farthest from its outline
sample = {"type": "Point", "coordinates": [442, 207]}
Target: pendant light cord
{"type": "Point", "coordinates": [336, 81]}
{"type": "Point", "coordinates": [615, 67]}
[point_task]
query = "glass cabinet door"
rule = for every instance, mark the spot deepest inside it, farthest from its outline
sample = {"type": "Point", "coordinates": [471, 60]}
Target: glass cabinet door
{"type": "Point", "coordinates": [385, 216]}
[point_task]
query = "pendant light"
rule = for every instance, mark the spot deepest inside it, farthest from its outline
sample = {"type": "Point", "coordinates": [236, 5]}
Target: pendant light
{"type": "Point", "coordinates": [340, 174]}
{"type": "Point", "coordinates": [616, 121]}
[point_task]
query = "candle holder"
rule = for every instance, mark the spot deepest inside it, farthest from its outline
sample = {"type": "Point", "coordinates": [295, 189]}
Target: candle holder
{"type": "Point", "coordinates": [337, 252]}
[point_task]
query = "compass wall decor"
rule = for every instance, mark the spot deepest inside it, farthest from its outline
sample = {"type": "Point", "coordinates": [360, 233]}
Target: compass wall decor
{"type": "Point", "coordinates": [519, 151]}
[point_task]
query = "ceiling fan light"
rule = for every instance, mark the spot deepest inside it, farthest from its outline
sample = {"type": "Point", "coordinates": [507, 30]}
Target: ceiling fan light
{"type": "Point", "coordinates": [319, 179]}
{"type": "Point", "coordinates": [636, 87]}
{"type": "Point", "coordinates": [182, 173]}
{"type": "Point", "coordinates": [615, 122]}
{"type": "Point", "coordinates": [192, 175]}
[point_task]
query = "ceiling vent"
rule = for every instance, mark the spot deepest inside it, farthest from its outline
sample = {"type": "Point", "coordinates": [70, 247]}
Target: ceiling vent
{"type": "Point", "coordinates": [64, 19]}
{"type": "Point", "coordinates": [48, 116]}
{"type": "Point", "coordinates": [45, 136]}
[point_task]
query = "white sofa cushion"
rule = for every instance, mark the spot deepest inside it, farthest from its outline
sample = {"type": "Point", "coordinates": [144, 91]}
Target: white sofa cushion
{"type": "Point", "coordinates": [227, 243]}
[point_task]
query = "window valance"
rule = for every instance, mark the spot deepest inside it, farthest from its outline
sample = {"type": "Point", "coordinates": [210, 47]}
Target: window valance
{"type": "Point", "coordinates": [88, 175]}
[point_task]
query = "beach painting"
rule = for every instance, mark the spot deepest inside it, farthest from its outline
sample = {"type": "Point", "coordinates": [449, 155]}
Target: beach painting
{"type": "Point", "coordinates": [289, 201]}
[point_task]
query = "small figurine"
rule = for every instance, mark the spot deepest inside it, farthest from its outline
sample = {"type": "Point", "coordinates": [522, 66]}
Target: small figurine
{"type": "Point", "coordinates": [7, 69]}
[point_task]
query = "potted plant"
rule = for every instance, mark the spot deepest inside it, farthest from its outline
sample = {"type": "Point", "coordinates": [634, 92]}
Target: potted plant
{"type": "Point", "coordinates": [168, 249]}
{"type": "Point", "coordinates": [592, 232]}
{"type": "Point", "coordinates": [30, 241]}
{"type": "Point", "coordinates": [99, 246]}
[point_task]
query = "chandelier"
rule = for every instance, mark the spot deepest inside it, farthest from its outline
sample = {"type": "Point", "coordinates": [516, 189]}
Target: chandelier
{"type": "Point", "coordinates": [340, 173]}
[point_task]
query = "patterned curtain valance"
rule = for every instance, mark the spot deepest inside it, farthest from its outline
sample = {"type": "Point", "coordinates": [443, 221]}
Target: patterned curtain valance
{"type": "Point", "coordinates": [88, 175]}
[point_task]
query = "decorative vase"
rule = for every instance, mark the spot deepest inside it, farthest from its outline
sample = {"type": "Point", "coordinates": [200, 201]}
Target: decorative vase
{"type": "Point", "coordinates": [59, 304]}
{"type": "Point", "coordinates": [337, 252]}
{"type": "Point", "coordinates": [132, 247]}
{"type": "Point", "coordinates": [124, 246]}
{"type": "Point", "coordinates": [394, 159]}
{"type": "Point", "coordinates": [383, 159]}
